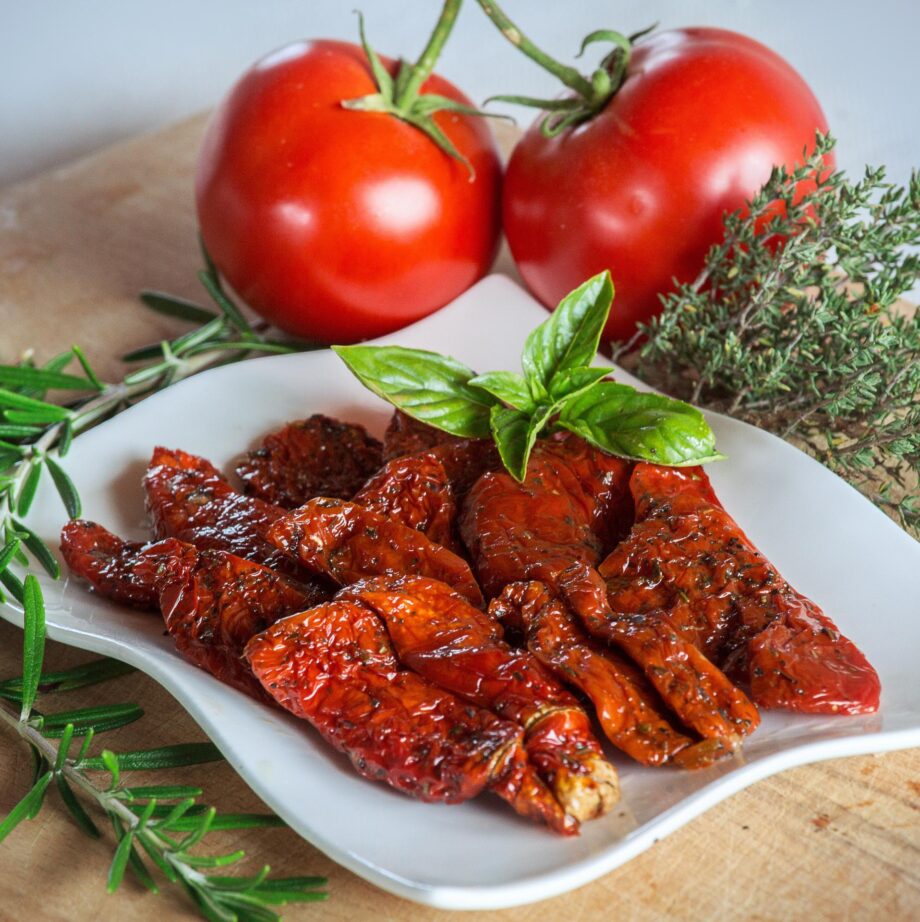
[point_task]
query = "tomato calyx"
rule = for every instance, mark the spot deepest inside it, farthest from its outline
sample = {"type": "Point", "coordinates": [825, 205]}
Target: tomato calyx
{"type": "Point", "coordinates": [402, 97]}
{"type": "Point", "coordinates": [592, 93]}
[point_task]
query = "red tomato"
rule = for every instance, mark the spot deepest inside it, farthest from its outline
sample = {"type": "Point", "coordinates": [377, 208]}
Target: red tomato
{"type": "Point", "coordinates": [699, 122]}
{"type": "Point", "coordinates": [339, 225]}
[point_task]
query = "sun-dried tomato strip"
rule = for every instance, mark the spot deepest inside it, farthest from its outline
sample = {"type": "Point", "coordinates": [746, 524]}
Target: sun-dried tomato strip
{"type": "Point", "coordinates": [439, 635]}
{"type": "Point", "coordinates": [110, 564]}
{"type": "Point", "coordinates": [334, 666]}
{"type": "Point", "coordinates": [214, 603]}
{"type": "Point", "coordinates": [687, 560]}
{"type": "Point", "coordinates": [318, 456]}
{"type": "Point", "coordinates": [347, 542]}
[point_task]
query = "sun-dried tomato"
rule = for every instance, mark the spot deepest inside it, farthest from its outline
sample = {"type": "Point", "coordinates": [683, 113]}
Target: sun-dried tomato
{"type": "Point", "coordinates": [318, 456]}
{"type": "Point", "coordinates": [439, 635]}
{"type": "Point", "coordinates": [347, 542]}
{"type": "Point", "coordinates": [687, 560]}
{"type": "Point", "coordinates": [334, 666]}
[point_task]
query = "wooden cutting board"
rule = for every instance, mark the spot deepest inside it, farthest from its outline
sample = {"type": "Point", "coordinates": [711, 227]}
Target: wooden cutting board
{"type": "Point", "coordinates": [836, 840]}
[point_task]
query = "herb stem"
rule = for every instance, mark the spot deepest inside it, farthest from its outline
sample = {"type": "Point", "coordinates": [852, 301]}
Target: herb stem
{"type": "Point", "coordinates": [112, 805]}
{"type": "Point", "coordinates": [98, 407]}
{"type": "Point", "coordinates": [47, 750]}
{"type": "Point", "coordinates": [568, 75]}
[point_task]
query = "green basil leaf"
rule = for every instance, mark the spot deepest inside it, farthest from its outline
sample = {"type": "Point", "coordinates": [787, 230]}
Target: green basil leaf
{"type": "Point", "coordinates": [646, 427]}
{"type": "Point", "coordinates": [573, 381]}
{"type": "Point", "coordinates": [507, 386]}
{"type": "Point", "coordinates": [509, 430]}
{"type": "Point", "coordinates": [427, 386]}
{"type": "Point", "coordinates": [570, 336]}
{"type": "Point", "coordinates": [515, 433]}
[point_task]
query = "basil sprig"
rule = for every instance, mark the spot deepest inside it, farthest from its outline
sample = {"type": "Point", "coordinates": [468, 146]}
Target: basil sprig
{"type": "Point", "coordinates": [558, 389]}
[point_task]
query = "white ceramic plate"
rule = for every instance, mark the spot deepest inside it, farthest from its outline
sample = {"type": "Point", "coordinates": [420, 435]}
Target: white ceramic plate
{"type": "Point", "coordinates": [830, 543]}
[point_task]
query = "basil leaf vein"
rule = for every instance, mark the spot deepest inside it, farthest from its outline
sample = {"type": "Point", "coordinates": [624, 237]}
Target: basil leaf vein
{"type": "Point", "coordinates": [429, 387]}
{"type": "Point", "coordinates": [569, 337]}
{"type": "Point", "coordinates": [508, 387]}
{"type": "Point", "coordinates": [646, 427]}
{"type": "Point", "coordinates": [515, 434]}
{"type": "Point", "coordinates": [573, 381]}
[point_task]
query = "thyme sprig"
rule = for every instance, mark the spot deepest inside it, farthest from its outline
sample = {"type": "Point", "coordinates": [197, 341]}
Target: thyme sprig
{"type": "Point", "coordinates": [793, 326]}
{"type": "Point", "coordinates": [164, 822]}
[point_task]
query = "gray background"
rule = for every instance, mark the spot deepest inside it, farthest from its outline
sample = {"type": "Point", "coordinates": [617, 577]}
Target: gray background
{"type": "Point", "coordinates": [78, 74]}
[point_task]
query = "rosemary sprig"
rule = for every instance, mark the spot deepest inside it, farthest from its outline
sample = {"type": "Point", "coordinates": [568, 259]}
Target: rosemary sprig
{"type": "Point", "coordinates": [793, 326]}
{"type": "Point", "coordinates": [34, 435]}
{"type": "Point", "coordinates": [164, 822]}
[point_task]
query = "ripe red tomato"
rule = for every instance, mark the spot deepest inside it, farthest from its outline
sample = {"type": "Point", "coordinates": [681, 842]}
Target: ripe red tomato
{"type": "Point", "coordinates": [694, 131]}
{"type": "Point", "coordinates": [340, 225]}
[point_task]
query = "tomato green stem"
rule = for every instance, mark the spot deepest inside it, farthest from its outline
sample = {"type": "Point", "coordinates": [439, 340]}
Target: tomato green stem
{"type": "Point", "coordinates": [568, 75]}
{"type": "Point", "coordinates": [592, 93]}
{"type": "Point", "coordinates": [401, 97]}
{"type": "Point", "coordinates": [422, 69]}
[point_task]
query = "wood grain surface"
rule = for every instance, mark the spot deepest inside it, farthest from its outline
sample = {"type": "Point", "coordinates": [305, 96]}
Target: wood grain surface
{"type": "Point", "coordinates": [838, 840]}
